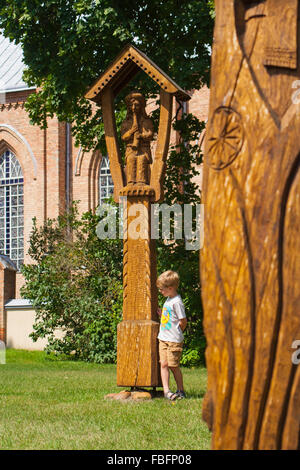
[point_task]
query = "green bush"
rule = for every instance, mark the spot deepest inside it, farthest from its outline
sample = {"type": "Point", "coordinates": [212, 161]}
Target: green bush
{"type": "Point", "coordinates": [75, 285]}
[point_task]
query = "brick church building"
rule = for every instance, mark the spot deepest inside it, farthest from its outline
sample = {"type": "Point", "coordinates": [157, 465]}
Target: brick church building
{"type": "Point", "coordinates": [41, 172]}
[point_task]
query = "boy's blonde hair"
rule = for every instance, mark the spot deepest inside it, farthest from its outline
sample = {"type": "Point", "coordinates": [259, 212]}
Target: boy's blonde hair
{"type": "Point", "coordinates": [168, 279]}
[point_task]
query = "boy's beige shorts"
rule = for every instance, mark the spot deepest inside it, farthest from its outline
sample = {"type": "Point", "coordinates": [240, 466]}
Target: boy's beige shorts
{"type": "Point", "coordinates": [170, 352]}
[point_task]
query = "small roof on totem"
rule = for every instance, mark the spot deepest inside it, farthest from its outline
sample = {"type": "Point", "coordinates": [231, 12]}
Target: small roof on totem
{"type": "Point", "coordinates": [127, 64]}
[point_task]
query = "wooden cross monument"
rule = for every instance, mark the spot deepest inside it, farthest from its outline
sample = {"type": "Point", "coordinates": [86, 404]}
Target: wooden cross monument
{"type": "Point", "coordinates": [140, 181]}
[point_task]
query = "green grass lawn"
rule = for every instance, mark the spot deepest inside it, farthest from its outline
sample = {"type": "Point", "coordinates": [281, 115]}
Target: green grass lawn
{"type": "Point", "coordinates": [51, 404]}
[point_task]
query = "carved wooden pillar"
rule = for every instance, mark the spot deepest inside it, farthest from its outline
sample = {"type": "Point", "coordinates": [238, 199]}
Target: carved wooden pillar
{"type": "Point", "coordinates": [250, 264]}
{"type": "Point", "coordinates": [137, 361]}
{"type": "Point", "coordinates": [142, 183]}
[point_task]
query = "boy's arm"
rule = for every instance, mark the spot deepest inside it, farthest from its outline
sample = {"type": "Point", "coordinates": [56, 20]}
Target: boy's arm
{"type": "Point", "coordinates": [183, 323]}
{"type": "Point", "coordinates": [179, 310]}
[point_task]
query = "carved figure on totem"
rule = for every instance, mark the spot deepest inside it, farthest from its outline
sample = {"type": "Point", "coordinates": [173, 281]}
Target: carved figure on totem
{"type": "Point", "coordinates": [250, 263]}
{"type": "Point", "coordinates": [137, 132]}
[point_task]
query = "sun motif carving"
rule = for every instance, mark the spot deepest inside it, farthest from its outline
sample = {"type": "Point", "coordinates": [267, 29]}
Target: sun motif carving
{"type": "Point", "coordinates": [226, 138]}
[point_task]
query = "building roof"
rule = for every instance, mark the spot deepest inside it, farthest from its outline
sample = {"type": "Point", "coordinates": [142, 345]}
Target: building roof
{"type": "Point", "coordinates": [7, 263]}
{"type": "Point", "coordinates": [11, 66]}
{"type": "Point", "coordinates": [18, 303]}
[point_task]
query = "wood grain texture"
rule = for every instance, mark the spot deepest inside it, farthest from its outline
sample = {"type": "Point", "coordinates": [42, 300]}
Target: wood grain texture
{"type": "Point", "coordinates": [250, 263]}
{"type": "Point", "coordinates": [137, 356]}
{"type": "Point", "coordinates": [111, 139]}
{"type": "Point", "coordinates": [137, 345]}
{"type": "Point", "coordinates": [162, 147]}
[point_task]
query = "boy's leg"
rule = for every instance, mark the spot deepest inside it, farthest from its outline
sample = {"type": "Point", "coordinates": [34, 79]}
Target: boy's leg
{"type": "Point", "coordinates": [175, 354]}
{"type": "Point", "coordinates": [165, 376]}
{"type": "Point", "coordinates": [164, 369]}
{"type": "Point", "coordinates": [178, 377]}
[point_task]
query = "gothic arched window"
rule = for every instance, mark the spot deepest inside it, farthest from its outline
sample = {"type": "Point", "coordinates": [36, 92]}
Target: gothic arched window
{"type": "Point", "coordinates": [106, 185]}
{"type": "Point", "coordinates": [11, 208]}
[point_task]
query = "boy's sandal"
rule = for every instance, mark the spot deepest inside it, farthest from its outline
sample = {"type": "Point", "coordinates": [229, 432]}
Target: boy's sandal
{"type": "Point", "coordinates": [180, 394]}
{"type": "Point", "coordinates": [170, 396]}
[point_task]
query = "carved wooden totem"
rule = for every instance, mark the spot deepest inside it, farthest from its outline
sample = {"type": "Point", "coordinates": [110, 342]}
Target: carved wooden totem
{"type": "Point", "coordinates": [137, 132]}
{"type": "Point", "coordinates": [250, 264]}
{"type": "Point", "coordinates": [137, 355]}
{"type": "Point", "coordinates": [140, 182]}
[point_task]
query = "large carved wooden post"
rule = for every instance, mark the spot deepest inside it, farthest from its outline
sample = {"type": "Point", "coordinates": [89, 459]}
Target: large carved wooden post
{"type": "Point", "coordinates": [137, 361]}
{"type": "Point", "coordinates": [250, 264]}
{"type": "Point", "coordinates": [140, 183]}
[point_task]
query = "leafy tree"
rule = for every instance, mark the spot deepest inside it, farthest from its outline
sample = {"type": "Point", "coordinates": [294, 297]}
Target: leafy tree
{"type": "Point", "coordinates": [67, 44]}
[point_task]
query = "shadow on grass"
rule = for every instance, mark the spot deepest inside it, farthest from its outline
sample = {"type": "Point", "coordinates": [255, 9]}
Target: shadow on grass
{"type": "Point", "coordinates": [196, 394]}
{"type": "Point", "coordinates": [190, 394]}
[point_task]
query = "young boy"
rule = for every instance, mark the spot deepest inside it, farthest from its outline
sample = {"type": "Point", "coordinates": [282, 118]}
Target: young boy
{"type": "Point", "coordinates": [172, 324]}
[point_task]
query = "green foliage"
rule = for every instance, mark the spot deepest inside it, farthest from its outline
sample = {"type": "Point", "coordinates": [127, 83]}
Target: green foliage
{"type": "Point", "coordinates": [75, 286]}
{"type": "Point", "coordinates": [191, 357]}
{"type": "Point", "coordinates": [68, 44]}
